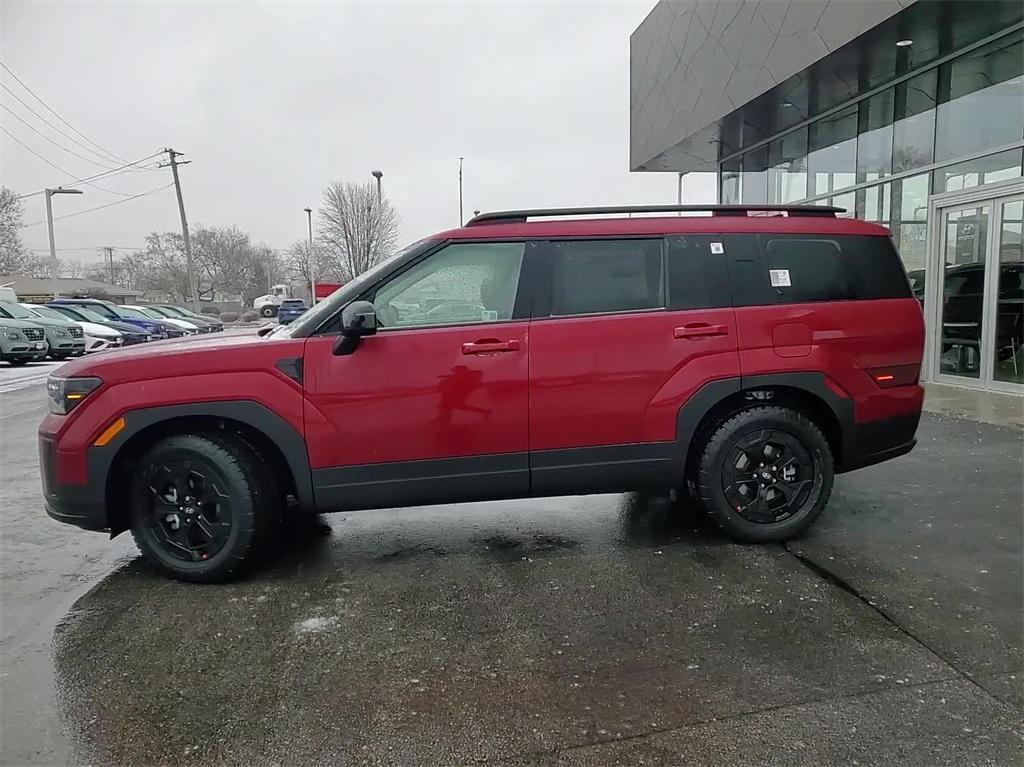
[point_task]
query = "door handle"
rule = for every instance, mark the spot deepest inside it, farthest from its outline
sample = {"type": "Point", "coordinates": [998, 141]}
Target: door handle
{"type": "Point", "coordinates": [700, 330]}
{"type": "Point", "coordinates": [487, 346]}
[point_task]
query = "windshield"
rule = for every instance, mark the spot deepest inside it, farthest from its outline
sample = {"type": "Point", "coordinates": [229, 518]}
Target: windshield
{"type": "Point", "coordinates": [46, 311]}
{"type": "Point", "coordinates": [327, 307]}
{"type": "Point", "coordinates": [174, 311]}
{"type": "Point", "coordinates": [134, 314]}
{"type": "Point", "coordinates": [148, 311]}
{"type": "Point", "coordinates": [14, 311]}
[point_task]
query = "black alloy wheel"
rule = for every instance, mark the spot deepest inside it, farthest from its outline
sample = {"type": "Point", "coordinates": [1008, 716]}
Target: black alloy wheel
{"type": "Point", "coordinates": [764, 474]}
{"type": "Point", "coordinates": [190, 510]}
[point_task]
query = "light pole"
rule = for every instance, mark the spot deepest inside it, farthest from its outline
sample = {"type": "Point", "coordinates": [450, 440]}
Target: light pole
{"type": "Point", "coordinates": [49, 227]}
{"type": "Point", "coordinates": [460, 191]}
{"type": "Point", "coordinates": [312, 258]}
{"type": "Point", "coordinates": [377, 175]}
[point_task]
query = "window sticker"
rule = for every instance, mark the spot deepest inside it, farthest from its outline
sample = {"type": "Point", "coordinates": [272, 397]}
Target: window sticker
{"type": "Point", "coordinates": [780, 278]}
{"type": "Point", "coordinates": [717, 248]}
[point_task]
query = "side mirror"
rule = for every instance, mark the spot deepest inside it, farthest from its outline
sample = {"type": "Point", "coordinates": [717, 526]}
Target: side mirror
{"type": "Point", "coordinates": [358, 319]}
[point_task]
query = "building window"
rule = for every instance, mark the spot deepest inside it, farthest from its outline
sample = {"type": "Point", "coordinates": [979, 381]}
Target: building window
{"type": "Point", "coordinates": [832, 162]}
{"type": "Point", "coordinates": [983, 170]}
{"type": "Point", "coordinates": [848, 202]}
{"type": "Point", "coordinates": [874, 140]}
{"type": "Point", "coordinates": [874, 203]}
{"type": "Point", "coordinates": [981, 97]}
{"type": "Point", "coordinates": [910, 221]}
{"type": "Point", "coordinates": [914, 129]}
{"type": "Point", "coordinates": [730, 194]}
{"type": "Point", "coordinates": [754, 177]}
{"type": "Point", "coordinates": [787, 168]}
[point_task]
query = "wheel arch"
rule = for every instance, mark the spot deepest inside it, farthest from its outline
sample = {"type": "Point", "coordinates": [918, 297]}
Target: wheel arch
{"type": "Point", "coordinates": [276, 441]}
{"type": "Point", "coordinates": [807, 392]}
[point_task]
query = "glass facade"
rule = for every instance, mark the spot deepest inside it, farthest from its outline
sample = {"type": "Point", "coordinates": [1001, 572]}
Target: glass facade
{"type": "Point", "coordinates": [948, 118]}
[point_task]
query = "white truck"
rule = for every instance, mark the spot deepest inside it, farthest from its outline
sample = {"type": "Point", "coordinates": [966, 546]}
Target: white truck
{"type": "Point", "coordinates": [268, 304]}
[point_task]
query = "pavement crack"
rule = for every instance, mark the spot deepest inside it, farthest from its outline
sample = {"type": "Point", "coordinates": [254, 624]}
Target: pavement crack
{"type": "Point", "coordinates": [841, 583]}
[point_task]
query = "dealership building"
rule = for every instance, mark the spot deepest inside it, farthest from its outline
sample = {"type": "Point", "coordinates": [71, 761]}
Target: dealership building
{"type": "Point", "coordinates": [909, 113]}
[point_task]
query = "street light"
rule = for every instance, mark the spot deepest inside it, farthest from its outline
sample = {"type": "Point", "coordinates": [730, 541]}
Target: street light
{"type": "Point", "coordinates": [312, 259]}
{"type": "Point", "coordinates": [460, 191]}
{"type": "Point", "coordinates": [377, 175]}
{"type": "Point", "coordinates": [49, 226]}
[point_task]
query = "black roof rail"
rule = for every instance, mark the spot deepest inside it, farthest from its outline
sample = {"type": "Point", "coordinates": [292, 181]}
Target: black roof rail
{"type": "Point", "coordinates": [520, 216]}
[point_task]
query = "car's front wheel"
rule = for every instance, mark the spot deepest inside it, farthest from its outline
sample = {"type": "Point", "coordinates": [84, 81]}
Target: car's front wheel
{"type": "Point", "coordinates": [765, 474]}
{"type": "Point", "coordinates": [268, 311]}
{"type": "Point", "coordinates": [18, 362]}
{"type": "Point", "coordinates": [203, 506]}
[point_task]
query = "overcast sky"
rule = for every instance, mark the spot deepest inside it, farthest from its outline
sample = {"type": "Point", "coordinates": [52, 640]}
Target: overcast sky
{"type": "Point", "coordinates": [272, 101]}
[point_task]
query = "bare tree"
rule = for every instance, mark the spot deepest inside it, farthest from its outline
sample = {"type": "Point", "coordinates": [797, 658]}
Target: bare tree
{"type": "Point", "coordinates": [354, 229]}
{"type": "Point", "coordinates": [302, 268]}
{"type": "Point", "coordinates": [15, 258]}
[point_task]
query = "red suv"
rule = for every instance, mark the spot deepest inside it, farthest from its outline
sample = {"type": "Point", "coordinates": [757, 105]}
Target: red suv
{"type": "Point", "coordinates": [744, 356]}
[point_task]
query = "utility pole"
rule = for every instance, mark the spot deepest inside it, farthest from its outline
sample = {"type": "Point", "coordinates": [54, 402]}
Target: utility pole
{"type": "Point", "coordinates": [110, 263]}
{"type": "Point", "coordinates": [193, 289]}
{"type": "Point", "coordinates": [460, 192]}
{"type": "Point", "coordinates": [54, 267]}
{"type": "Point", "coordinates": [312, 258]}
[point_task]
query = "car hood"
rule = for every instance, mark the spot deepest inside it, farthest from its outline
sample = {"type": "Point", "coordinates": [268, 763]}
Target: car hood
{"type": "Point", "coordinates": [103, 331]}
{"type": "Point", "coordinates": [52, 323]}
{"type": "Point", "coordinates": [197, 355]}
{"type": "Point", "coordinates": [20, 324]}
{"type": "Point", "coordinates": [126, 328]}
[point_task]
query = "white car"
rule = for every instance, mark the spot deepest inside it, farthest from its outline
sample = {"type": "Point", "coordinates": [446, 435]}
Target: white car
{"type": "Point", "coordinates": [97, 337]}
{"type": "Point", "coordinates": [187, 327]}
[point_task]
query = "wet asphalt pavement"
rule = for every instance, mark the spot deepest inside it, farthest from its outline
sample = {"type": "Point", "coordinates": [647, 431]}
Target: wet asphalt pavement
{"type": "Point", "coordinates": [578, 631]}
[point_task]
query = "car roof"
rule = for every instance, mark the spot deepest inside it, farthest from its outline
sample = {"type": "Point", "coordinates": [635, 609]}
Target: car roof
{"type": "Point", "coordinates": [648, 226]}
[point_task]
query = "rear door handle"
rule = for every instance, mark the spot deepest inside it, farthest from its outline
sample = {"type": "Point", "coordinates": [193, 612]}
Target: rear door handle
{"type": "Point", "coordinates": [699, 330]}
{"type": "Point", "coordinates": [487, 346]}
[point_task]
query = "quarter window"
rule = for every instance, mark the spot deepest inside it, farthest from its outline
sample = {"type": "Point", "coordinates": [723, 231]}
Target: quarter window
{"type": "Point", "coordinates": [462, 284]}
{"type": "Point", "coordinates": [599, 276]}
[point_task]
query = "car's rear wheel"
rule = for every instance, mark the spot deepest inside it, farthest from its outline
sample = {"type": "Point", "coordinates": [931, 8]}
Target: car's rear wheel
{"type": "Point", "coordinates": [203, 507]}
{"type": "Point", "coordinates": [268, 311]}
{"type": "Point", "coordinates": [765, 474]}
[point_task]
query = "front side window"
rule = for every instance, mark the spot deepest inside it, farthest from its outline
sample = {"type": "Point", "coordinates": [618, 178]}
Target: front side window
{"type": "Point", "coordinates": [599, 276]}
{"type": "Point", "coordinates": [461, 284]}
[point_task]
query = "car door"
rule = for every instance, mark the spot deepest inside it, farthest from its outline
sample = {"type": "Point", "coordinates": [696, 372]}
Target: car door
{"type": "Point", "coordinates": [433, 407]}
{"type": "Point", "coordinates": [627, 331]}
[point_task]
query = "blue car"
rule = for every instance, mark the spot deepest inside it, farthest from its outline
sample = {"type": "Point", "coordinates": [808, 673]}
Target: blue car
{"type": "Point", "coordinates": [290, 309]}
{"type": "Point", "coordinates": [111, 311]}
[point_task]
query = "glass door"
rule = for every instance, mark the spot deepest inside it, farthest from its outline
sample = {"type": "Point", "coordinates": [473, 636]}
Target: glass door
{"type": "Point", "coordinates": [962, 328]}
{"type": "Point", "coordinates": [1006, 296]}
{"type": "Point", "coordinates": [979, 332]}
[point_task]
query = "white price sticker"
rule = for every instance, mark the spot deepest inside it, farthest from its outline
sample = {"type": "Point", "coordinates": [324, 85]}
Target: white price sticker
{"type": "Point", "coordinates": [717, 249]}
{"type": "Point", "coordinates": [780, 278]}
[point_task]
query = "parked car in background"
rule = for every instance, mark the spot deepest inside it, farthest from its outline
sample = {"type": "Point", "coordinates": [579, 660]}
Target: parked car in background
{"type": "Point", "coordinates": [130, 334]}
{"type": "Point", "coordinates": [64, 338]}
{"type": "Point", "coordinates": [156, 328]}
{"type": "Point", "coordinates": [21, 342]}
{"type": "Point", "coordinates": [180, 311]}
{"type": "Point", "coordinates": [186, 327]}
{"type": "Point", "coordinates": [97, 337]}
{"type": "Point", "coordinates": [291, 309]}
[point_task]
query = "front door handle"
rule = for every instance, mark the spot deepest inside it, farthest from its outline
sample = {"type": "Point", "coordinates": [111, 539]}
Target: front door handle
{"type": "Point", "coordinates": [489, 346]}
{"type": "Point", "coordinates": [700, 330]}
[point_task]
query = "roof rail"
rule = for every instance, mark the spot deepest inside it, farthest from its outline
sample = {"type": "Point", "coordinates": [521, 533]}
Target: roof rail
{"type": "Point", "coordinates": [520, 216]}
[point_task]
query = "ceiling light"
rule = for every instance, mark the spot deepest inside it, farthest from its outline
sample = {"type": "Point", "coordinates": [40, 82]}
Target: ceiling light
{"type": "Point", "coordinates": [904, 43]}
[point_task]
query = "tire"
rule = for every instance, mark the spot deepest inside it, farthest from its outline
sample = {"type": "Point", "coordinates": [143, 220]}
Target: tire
{"type": "Point", "coordinates": [213, 467]}
{"type": "Point", "coordinates": [778, 501]}
{"type": "Point", "coordinates": [60, 356]}
{"type": "Point", "coordinates": [17, 363]}
{"type": "Point", "coordinates": [268, 311]}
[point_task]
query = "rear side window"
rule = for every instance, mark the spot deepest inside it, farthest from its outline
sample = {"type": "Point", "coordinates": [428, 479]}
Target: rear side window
{"type": "Point", "coordinates": [600, 276]}
{"type": "Point", "coordinates": [697, 274]}
{"type": "Point", "coordinates": [793, 269]}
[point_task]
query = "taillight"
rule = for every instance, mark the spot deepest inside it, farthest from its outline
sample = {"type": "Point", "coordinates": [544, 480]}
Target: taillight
{"type": "Point", "coordinates": [895, 375]}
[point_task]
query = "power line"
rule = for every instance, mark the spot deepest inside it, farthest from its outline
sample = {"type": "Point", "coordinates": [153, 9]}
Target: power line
{"type": "Point", "coordinates": [84, 179]}
{"type": "Point", "coordinates": [31, 127]}
{"type": "Point", "coordinates": [91, 247]}
{"type": "Point", "coordinates": [107, 205]}
{"type": "Point", "coordinates": [54, 113]}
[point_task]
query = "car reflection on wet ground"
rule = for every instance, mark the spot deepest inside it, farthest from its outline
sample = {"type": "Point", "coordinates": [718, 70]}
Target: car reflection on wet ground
{"type": "Point", "coordinates": [602, 630]}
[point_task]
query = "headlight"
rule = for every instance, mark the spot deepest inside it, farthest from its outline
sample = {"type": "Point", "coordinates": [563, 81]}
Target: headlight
{"type": "Point", "coordinates": [14, 335]}
{"type": "Point", "coordinates": [66, 393]}
{"type": "Point", "coordinates": [59, 333]}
